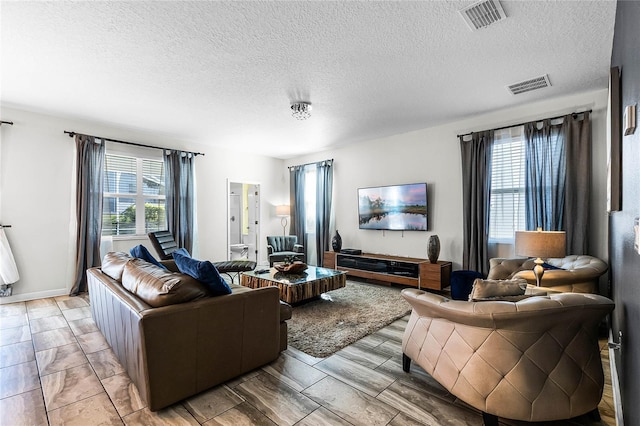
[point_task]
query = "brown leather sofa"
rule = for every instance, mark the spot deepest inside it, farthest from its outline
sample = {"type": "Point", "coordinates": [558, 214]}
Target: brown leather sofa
{"type": "Point", "coordinates": [533, 360]}
{"type": "Point", "coordinates": [579, 273]}
{"type": "Point", "coordinates": [188, 342]}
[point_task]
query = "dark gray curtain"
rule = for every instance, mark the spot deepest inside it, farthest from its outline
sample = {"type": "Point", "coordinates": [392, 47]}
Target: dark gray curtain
{"type": "Point", "coordinates": [577, 135]}
{"type": "Point", "coordinates": [545, 165]}
{"type": "Point", "coordinates": [90, 183]}
{"type": "Point", "coordinates": [179, 180]}
{"type": "Point", "coordinates": [476, 197]}
{"type": "Point", "coordinates": [296, 195]}
{"type": "Point", "coordinates": [324, 190]}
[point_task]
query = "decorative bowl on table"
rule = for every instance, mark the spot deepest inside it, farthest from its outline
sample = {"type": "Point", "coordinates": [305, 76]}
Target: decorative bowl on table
{"type": "Point", "coordinates": [291, 268]}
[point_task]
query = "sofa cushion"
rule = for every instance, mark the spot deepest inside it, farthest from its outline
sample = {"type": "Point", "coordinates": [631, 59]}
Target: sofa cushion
{"type": "Point", "coordinates": [141, 252]}
{"type": "Point", "coordinates": [203, 271]}
{"type": "Point", "coordinates": [510, 290]}
{"type": "Point", "coordinates": [113, 264]}
{"type": "Point", "coordinates": [159, 287]}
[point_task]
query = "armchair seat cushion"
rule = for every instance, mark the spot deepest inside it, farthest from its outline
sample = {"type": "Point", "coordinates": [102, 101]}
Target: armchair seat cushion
{"type": "Point", "coordinates": [282, 254]}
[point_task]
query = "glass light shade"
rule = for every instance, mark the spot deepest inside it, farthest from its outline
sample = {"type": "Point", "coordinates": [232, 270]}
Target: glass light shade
{"type": "Point", "coordinates": [541, 244]}
{"type": "Point", "coordinates": [283, 210]}
{"type": "Point", "coordinates": [301, 110]}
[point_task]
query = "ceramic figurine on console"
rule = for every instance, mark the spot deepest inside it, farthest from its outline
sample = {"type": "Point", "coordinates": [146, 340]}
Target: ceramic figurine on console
{"type": "Point", "coordinates": [336, 242]}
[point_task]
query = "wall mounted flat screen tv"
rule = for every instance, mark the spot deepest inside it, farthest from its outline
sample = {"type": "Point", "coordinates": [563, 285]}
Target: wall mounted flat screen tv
{"type": "Point", "coordinates": [393, 207]}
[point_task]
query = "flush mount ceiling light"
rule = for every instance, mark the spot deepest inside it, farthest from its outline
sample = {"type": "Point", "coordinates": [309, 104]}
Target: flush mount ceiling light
{"type": "Point", "coordinates": [301, 110]}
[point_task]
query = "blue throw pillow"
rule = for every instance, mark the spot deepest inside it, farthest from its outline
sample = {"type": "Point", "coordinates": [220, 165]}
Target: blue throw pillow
{"type": "Point", "coordinates": [141, 252]}
{"type": "Point", "coordinates": [181, 251]}
{"type": "Point", "coordinates": [548, 266]}
{"type": "Point", "coordinates": [203, 271]}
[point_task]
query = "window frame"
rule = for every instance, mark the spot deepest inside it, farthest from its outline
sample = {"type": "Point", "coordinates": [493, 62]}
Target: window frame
{"type": "Point", "coordinates": [513, 134]}
{"type": "Point", "coordinates": [140, 155]}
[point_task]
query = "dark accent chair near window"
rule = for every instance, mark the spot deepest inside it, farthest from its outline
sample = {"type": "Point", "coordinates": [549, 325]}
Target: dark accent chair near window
{"type": "Point", "coordinates": [165, 245]}
{"type": "Point", "coordinates": [284, 246]}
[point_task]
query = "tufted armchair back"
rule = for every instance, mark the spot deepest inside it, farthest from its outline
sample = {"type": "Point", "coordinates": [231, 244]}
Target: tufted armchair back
{"type": "Point", "coordinates": [282, 242]}
{"type": "Point", "coordinates": [284, 246]}
{"type": "Point", "coordinates": [533, 360]}
{"type": "Point", "coordinates": [579, 273]}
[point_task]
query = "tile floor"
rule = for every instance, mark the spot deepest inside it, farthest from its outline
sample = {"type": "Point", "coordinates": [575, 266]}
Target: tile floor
{"type": "Point", "coordinates": [56, 368]}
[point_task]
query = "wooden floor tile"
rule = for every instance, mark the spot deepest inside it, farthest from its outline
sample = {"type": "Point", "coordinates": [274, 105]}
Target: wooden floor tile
{"type": "Point", "coordinates": [279, 402]}
{"type": "Point", "coordinates": [353, 405]}
{"type": "Point", "coordinates": [209, 404]}
{"type": "Point", "coordinates": [293, 372]}
{"type": "Point", "coordinates": [176, 415]}
{"type": "Point", "coordinates": [69, 386]}
{"type": "Point", "coordinates": [60, 358]}
{"type": "Point", "coordinates": [23, 409]}
{"type": "Point", "coordinates": [362, 378]}
{"type": "Point", "coordinates": [95, 410]}
{"type": "Point", "coordinates": [19, 378]}
{"type": "Point", "coordinates": [241, 415]}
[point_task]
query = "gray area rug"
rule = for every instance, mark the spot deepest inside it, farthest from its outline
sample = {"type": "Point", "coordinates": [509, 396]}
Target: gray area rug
{"type": "Point", "coordinates": [340, 317]}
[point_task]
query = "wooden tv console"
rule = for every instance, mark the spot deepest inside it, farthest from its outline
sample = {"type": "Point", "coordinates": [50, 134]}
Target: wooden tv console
{"type": "Point", "coordinates": [420, 273]}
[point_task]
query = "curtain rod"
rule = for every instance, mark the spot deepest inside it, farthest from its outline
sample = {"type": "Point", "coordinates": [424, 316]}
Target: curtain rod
{"type": "Point", "coordinates": [522, 124]}
{"type": "Point", "coordinates": [309, 164]}
{"type": "Point", "coordinates": [72, 134]}
{"type": "Point", "coordinates": [10, 123]}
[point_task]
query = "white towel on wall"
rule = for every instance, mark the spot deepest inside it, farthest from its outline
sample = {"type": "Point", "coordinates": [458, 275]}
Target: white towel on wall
{"type": "Point", "coordinates": [8, 269]}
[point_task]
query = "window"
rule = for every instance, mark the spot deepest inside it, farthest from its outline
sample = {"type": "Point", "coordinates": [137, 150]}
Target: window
{"type": "Point", "coordinates": [134, 195]}
{"type": "Point", "coordinates": [507, 204]}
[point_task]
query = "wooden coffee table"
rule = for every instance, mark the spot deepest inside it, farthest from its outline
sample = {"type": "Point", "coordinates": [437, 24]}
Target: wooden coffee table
{"type": "Point", "coordinates": [295, 288]}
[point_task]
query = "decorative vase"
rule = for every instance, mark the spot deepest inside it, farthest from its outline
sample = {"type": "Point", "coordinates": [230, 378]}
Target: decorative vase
{"type": "Point", "coordinates": [336, 242]}
{"type": "Point", "coordinates": [433, 248]}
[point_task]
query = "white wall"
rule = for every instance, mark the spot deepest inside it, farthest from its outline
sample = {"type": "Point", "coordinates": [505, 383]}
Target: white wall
{"type": "Point", "coordinates": [37, 195]}
{"type": "Point", "coordinates": [433, 155]}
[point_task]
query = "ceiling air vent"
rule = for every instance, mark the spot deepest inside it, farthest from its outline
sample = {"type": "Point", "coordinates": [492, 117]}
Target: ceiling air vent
{"type": "Point", "coordinates": [528, 85]}
{"type": "Point", "coordinates": [482, 14]}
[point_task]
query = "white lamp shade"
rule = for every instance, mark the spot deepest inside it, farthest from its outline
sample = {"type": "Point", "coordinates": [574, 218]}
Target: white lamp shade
{"type": "Point", "coordinates": [283, 210]}
{"type": "Point", "coordinates": [542, 244]}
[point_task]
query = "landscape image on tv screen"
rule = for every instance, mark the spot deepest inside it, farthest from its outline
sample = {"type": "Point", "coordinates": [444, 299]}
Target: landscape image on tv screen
{"type": "Point", "coordinates": [394, 207]}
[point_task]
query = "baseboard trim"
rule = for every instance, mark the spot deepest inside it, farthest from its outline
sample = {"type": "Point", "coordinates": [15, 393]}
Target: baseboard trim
{"type": "Point", "coordinates": [32, 296]}
{"type": "Point", "coordinates": [615, 383]}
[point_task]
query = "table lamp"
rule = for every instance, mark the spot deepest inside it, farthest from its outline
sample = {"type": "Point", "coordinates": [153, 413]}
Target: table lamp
{"type": "Point", "coordinates": [540, 244]}
{"type": "Point", "coordinates": [284, 212]}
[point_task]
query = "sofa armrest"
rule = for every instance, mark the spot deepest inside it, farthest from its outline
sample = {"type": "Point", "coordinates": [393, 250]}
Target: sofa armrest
{"type": "Point", "coordinates": [270, 249]}
{"type": "Point", "coordinates": [558, 277]}
{"type": "Point", "coordinates": [298, 248]}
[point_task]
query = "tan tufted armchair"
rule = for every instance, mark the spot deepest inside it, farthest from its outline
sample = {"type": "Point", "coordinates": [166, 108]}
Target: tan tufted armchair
{"type": "Point", "coordinates": [579, 273]}
{"type": "Point", "coordinates": [533, 360]}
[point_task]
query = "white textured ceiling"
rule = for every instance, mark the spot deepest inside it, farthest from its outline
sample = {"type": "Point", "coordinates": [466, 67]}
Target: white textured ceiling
{"type": "Point", "coordinates": [225, 73]}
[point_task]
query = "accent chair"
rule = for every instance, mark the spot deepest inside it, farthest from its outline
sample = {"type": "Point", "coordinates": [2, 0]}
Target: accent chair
{"type": "Point", "coordinates": [536, 359]}
{"type": "Point", "coordinates": [574, 273]}
{"type": "Point", "coordinates": [284, 246]}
